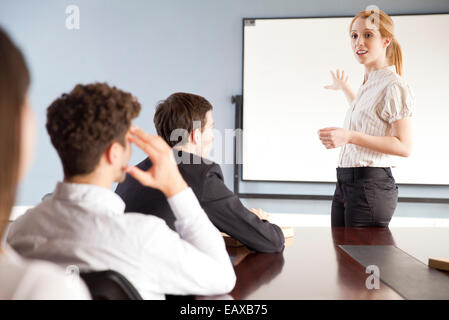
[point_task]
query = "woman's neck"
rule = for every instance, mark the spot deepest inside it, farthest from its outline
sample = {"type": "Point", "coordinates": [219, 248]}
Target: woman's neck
{"type": "Point", "coordinates": [376, 65]}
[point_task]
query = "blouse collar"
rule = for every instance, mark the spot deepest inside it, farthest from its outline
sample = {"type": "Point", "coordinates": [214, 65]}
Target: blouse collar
{"type": "Point", "coordinates": [391, 68]}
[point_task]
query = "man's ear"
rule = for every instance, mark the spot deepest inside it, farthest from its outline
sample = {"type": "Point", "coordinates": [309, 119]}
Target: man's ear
{"type": "Point", "coordinates": [112, 152]}
{"type": "Point", "coordinates": [195, 136]}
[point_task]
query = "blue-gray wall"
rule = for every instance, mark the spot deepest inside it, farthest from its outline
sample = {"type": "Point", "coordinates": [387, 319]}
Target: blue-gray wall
{"type": "Point", "coordinates": [154, 48]}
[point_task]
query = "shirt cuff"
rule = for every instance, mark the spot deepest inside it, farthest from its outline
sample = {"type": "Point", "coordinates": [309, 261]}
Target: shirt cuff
{"type": "Point", "coordinates": [185, 205]}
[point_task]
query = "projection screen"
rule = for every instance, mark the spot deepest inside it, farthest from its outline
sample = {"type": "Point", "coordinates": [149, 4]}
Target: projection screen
{"type": "Point", "coordinates": [286, 64]}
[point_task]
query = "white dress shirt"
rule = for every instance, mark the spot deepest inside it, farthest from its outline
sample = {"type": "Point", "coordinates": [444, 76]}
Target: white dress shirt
{"type": "Point", "coordinates": [85, 225]}
{"type": "Point", "coordinates": [36, 280]}
{"type": "Point", "coordinates": [383, 99]}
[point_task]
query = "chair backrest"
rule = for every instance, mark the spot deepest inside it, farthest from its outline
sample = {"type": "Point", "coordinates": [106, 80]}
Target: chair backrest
{"type": "Point", "coordinates": [109, 285]}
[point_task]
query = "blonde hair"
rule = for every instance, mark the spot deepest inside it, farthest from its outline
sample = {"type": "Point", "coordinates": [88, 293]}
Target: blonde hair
{"type": "Point", "coordinates": [386, 29]}
{"type": "Point", "coordinates": [14, 82]}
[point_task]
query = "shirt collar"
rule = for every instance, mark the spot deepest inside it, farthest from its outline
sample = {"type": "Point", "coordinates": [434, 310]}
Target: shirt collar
{"type": "Point", "coordinates": [97, 199]}
{"type": "Point", "coordinates": [392, 68]}
{"type": "Point", "coordinates": [182, 156]}
{"type": "Point", "coordinates": [389, 68]}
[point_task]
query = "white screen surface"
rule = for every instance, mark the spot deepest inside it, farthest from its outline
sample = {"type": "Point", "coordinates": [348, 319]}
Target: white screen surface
{"type": "Point", "coordinates": [287, 64]}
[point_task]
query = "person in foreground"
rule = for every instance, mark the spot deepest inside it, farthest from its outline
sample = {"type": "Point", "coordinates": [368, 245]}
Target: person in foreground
{"type": "Point", "coordinates": [377, 125]}
{"type": "Point", "coordinates": [188, 117]}
{"type": "Point", "coordinates": [22, 279]}
{"type": "Point", "coordinates": [83, 223]}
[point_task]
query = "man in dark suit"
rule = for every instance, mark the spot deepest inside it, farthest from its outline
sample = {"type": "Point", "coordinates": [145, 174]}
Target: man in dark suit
{"type": "Point", "coordinates": [185, 122]}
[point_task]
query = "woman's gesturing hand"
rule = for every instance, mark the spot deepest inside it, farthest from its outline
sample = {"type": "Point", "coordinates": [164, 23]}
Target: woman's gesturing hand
{"type": "Point", "coordinates": [334, 137]}
{"type": "Point", "coordinates": [163, 174]}
{"type": "Point", "coordinates": [340, 80]}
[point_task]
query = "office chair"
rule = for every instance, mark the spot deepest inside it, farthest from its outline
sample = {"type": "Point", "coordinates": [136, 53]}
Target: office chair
{"type": "Point", "coordinates": [109, 285]}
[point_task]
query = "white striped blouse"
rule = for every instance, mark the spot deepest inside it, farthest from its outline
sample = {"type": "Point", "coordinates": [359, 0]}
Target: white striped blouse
{"type": "Point", "coordinates": [383, 99]}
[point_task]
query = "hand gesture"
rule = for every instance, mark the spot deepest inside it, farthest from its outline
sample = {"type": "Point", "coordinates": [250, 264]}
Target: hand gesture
{"type": "Point", "coordinates": [333, 137]}
{"type": "Point", "coordinates": [340, 80]}
{"type": "Point", "coordinates": [164, 174]}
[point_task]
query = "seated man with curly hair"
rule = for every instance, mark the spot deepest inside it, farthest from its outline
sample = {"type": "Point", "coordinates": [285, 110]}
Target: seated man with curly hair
{"type": "Point", "coordinates": [82, 222]}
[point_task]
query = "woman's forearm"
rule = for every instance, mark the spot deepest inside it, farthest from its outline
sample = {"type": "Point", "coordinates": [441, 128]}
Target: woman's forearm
{"type": "Point", "coordinates": [383, 144]}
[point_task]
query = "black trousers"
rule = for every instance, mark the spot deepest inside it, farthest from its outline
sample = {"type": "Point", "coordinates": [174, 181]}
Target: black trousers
{"type": "Point", "coordinates": [364, 197]}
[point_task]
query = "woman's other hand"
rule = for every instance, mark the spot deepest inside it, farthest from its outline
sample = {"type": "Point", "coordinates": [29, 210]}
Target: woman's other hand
{"type": "Point", "coordinates": [334, 137]}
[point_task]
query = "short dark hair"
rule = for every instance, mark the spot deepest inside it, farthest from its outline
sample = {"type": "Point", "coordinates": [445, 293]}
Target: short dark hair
{"type": "Point", "coordinates": [179, 111]}
{"type": "Point", "coordinates": [85, 122]}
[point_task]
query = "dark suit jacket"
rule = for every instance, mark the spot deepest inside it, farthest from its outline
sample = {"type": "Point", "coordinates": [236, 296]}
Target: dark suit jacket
{"type": "Point", "coordinates": [222, 206]}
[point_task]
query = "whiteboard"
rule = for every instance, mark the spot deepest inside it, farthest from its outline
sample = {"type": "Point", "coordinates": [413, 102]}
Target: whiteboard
{"type": "Point", "coordinates": [286, 63]}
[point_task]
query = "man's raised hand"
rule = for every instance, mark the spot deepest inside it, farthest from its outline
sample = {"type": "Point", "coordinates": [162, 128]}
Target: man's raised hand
{"type": "Point", "coordinates": [163, 174]}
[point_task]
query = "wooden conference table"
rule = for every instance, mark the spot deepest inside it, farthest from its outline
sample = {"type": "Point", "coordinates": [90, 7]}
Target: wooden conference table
{"type": "Point", "coordinates": [314, 267]}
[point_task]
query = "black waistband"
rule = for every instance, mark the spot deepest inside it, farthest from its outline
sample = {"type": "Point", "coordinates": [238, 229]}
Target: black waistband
{"type": "Point", "coordinates": [352, 174]}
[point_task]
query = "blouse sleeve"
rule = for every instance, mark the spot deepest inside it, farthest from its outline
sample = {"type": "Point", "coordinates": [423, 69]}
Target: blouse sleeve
{"type": "Point", "coordinates": [399, 102]}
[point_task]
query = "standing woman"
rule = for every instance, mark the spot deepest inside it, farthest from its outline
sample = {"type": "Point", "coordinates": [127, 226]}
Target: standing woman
{"type": "Point", "coordinates": [19, 278]}
{"type": "Point", "coordinates": [377, 125]}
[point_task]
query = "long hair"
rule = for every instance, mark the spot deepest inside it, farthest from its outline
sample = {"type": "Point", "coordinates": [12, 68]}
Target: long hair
{"type": "Point", "coordinates": [14, 82]}
{"type": "Point", "coordinates": [386, 29]}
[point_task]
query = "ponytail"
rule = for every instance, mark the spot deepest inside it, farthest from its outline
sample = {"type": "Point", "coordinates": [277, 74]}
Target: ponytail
{"type": "Point", "coordinates": [394, 53]}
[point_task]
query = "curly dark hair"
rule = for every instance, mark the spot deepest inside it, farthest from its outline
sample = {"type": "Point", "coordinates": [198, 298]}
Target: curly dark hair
{"type": "Point", "coordinates": [85, 122]}
{"type": "Point", "coordinates": [179, 111]}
